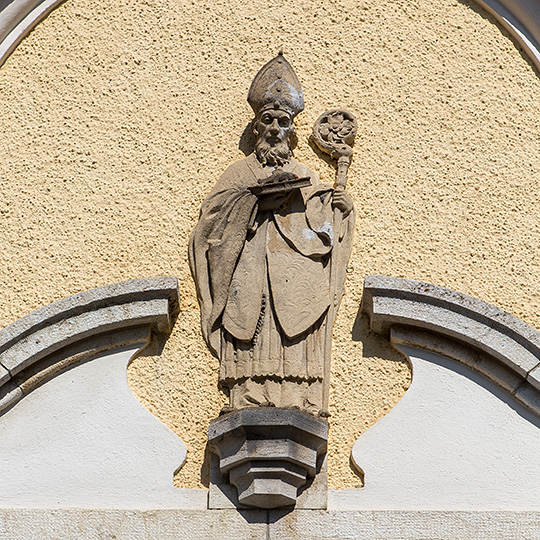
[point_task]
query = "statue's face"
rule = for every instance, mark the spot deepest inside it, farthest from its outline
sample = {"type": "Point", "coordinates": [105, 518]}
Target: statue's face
{"type": "Point", "coordinates": [273, 126]}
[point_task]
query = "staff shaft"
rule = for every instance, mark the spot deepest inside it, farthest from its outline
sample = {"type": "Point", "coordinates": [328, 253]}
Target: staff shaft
{"type": "Point", "coordinates": [335, 295]}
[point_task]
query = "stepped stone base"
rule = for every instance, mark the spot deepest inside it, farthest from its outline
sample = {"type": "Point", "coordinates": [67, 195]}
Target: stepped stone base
{"type": "Point", "coordinates": [268, 454]}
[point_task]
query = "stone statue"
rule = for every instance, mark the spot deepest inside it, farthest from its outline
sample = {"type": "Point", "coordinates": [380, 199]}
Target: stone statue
{"type": "Point", "coordinates": [261, 257]}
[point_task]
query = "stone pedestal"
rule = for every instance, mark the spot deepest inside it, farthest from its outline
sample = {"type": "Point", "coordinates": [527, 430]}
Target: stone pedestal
{"type": "Point", "coordinates": [268, 454]}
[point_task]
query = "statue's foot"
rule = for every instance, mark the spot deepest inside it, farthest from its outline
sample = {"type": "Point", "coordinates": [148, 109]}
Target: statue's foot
{"type": "Point", "coordinates": [323, 413]}
{"type": "Point", "coordinates": [268, 404]}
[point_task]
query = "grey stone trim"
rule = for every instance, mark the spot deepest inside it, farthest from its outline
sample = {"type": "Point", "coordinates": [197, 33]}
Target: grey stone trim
{"type": "Point", "coordinates": [81, 524]}
{"type": "Point", "coordinates": [522, 20]}
{"type": "Point", "coordinates": [4, 375]}
{"type": "Point", "coordinates": [61, 334]}
{"type": "Point", "coordinates": [222, 495]}
{"type": "Point", "coordinates": [17, 18]}
{"type": "Point", "coordinates": [268, 454]}
{"type": "Point", "coordinates": [405, 525]}
{"type": "Point", "coordinates": [495, 371]}
{"type": "Point", "coordinates": [485, 338]}
{"type": "Point", "coordinates": [90, 524]}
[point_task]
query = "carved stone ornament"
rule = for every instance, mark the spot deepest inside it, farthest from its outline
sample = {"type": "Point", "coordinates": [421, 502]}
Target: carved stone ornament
{"type": "Point", "coordinates": [268, 256]}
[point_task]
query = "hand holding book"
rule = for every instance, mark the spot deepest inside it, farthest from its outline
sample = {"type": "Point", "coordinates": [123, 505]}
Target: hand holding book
{"type": "Point", "coordinates": [275, 190]}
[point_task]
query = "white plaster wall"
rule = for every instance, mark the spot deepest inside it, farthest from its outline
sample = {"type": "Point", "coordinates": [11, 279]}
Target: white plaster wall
{"type": "Point", "coordinates": [455, 441]}
{"type": "Point", "coordinates": [83, 440]}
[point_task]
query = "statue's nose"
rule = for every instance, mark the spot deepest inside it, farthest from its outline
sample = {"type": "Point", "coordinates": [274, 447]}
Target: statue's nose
{"type": "Point", "coordinates": [274, 127]}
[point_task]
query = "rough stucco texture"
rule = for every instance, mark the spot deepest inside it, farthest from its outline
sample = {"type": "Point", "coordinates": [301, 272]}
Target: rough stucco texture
{"type": "Point", "coordinates": [118, 117]}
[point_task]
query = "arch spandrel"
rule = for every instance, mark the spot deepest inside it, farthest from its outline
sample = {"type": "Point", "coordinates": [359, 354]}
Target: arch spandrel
{"type": "Point", "coordinates": [74, 434]}
{"type": "Point", "coordinates": [471, 414]}
{"type": "Point", "coordinates": [520, 17]}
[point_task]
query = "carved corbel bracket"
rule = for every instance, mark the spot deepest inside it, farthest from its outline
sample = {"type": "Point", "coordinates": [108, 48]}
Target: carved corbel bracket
{"type": "Point", "coordinates": [268, 454]}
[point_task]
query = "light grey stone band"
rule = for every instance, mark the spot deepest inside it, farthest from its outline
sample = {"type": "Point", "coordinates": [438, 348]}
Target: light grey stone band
{"type": "Point", "coordinates": [481, 336]}
{"type": "Point", "coordinates": [522, 20]}
{"type": "Point", "coordinates": [66, 332]}
{"type": "Point", "coordinates": [405, 525]}
{"type": "Point", "coordinates": [77, 524]}
{"type": "Point", "coordinates": [17, 18]}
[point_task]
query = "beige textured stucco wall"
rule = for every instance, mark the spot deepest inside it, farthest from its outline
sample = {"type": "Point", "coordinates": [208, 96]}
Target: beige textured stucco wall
{"type": "Point", "coordinates": [119, 115]}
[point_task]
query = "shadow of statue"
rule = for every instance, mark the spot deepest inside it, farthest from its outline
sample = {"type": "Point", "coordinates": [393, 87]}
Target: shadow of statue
{"type": "Point", "coordinates": [322, 155]}
{"type": "Point", "coordinates": [247, 140]}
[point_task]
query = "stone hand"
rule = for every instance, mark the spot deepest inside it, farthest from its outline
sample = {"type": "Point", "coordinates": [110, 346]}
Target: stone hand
{"type": "Point", "coordinates": [342, 201]}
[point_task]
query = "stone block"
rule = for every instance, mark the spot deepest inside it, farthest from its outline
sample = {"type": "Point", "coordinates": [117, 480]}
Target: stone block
{"type": "Point", "coordinates": [222, 495]}
{"type": "Point", "coordinates": [117, 524]}
{"type": "Point", "coordinates": [404, 525]}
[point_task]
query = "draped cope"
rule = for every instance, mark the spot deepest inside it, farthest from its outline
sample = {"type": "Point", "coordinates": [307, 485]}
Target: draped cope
{"type": "Point", "coordinates": [263, 276]}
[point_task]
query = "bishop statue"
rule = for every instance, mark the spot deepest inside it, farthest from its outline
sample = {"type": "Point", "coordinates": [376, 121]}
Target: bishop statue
{"type": "Point", "coordinates": [261, 256]}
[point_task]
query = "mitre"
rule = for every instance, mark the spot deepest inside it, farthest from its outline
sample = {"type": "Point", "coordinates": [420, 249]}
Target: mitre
{"type": "Point", "coordinates": [276, 86]}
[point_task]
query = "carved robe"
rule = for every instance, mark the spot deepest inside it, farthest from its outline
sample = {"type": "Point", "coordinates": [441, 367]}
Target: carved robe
{"type": "Point", "coordinates": [263, 278]}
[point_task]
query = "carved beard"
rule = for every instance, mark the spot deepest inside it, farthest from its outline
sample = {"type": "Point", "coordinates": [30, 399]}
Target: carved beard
{"type": "Point", "coordinates": [275, 155]}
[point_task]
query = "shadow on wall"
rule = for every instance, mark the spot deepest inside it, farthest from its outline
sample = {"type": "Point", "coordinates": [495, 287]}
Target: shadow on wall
{"type": "Point", "coordinates": [483, 382]}
{"type": "Point", "coordinates": [156, 345]}
{"type": "Point", "coordinates": [375, 345]}
{"type": "Point", "coordinates": [247, 140]}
